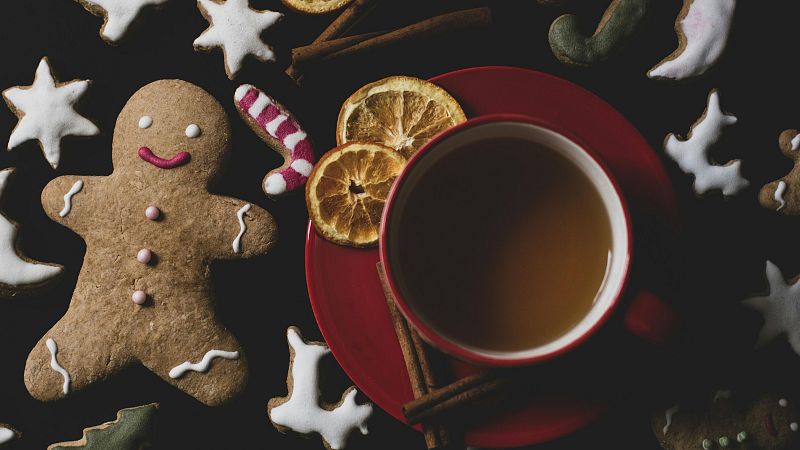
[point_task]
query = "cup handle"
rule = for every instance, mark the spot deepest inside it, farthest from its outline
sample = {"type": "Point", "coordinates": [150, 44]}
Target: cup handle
{"type": "Point", "coordinates": [651, 319]}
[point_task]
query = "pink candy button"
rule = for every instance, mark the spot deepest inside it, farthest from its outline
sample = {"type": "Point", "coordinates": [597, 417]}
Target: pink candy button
{"type": "Point", "coordinates": [152, 213]}
{"type": "Point", "coordinates": [139, 297]}
{"type": "Point", "coordinates": [144, 256]}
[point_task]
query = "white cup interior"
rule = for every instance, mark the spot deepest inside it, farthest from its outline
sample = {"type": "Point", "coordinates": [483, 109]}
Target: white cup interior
{"type": "Point", "coordinates": [619, 254]}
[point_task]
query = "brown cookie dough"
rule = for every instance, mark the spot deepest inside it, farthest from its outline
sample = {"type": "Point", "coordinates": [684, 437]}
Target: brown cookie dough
{"type": "Point", "coordinates": [151, 229]}
{"type": "Point", "coordinates": [768, 423]}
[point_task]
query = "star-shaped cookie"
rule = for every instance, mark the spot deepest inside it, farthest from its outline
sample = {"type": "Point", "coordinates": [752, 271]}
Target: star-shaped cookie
{"type": "Point", "coordinates": [781, 308]}
{"type": "Point", "coordinates": [237, 29]}
{"type": "Point", "coordinates": [46, 112]}
{"type": "Point", "coordinates": [118, 15]}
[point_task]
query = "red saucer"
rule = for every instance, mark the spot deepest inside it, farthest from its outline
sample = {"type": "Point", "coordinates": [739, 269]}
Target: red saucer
{"type": "Point", "coordinates": [347, 298]}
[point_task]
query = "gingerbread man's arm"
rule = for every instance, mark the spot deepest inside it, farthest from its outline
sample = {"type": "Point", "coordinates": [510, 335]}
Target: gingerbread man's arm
{"type": "Point", "coordinates": [242, 229]}
{"type": "Point", "coordinates": [69, 200]}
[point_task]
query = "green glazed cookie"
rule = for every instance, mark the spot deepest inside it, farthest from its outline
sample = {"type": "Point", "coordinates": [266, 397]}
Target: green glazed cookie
{"type": "Point", "coordinates": [618, 23]}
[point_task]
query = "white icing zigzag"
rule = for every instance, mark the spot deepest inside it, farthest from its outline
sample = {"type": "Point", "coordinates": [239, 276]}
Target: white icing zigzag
{"type": "Point", "coordinates": [692, 154]}
{"type": "Point", "coordinates": [203, 365]}
{"type": "Point", "coordinates": [68, 198]}
{"type": "Point", "coordinates": [51, 345]}
{"type": "Point", "coordinates": [302, 413]}
{"type": "Point", "coordinates": [237, 243]}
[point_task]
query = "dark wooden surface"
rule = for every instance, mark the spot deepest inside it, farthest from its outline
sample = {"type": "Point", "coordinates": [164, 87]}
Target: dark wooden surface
{"type": "Point", "coordinates": [716, 261]}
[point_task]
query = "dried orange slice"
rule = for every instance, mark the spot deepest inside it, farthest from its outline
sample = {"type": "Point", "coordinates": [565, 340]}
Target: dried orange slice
{"type": "Point", "coordinates": [315, 6]}
{"type": "Point", "coordinates": [400, 112]}
{"type": "Point", "coordinates": [347, 189]}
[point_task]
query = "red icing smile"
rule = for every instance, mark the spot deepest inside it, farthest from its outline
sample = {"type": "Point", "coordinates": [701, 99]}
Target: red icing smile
{"type": "Point", "coordinates": [176, 161]}
{"type": "Point", "coordinates": [769, 425]}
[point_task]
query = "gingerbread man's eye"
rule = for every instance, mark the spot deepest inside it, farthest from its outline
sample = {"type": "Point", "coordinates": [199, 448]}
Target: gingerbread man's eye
{"type": "Point", "coordinates": [192, 131]}
{"type": "Point", "coordinates": [793, 426]}
{"type": "Point", "coordinates": [145, 122]}
{"type": "Point", "coordinates": [783, 402]}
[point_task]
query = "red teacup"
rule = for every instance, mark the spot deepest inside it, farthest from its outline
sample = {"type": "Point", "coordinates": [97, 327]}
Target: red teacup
{"type": "Point", "coordinates": [647, 316]}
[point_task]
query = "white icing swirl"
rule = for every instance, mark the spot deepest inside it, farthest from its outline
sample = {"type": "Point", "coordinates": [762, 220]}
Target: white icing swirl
{"type": "Point", "coordinates": [68, 198]}
{"type": "Point", "coordinates": [51, 345]}
{"type": "Point", "coordinates": [237, 243]}
{"type": "Point", "coordinates": [203, 365]}
{"type": "Point", "coordinates": [779, 191]}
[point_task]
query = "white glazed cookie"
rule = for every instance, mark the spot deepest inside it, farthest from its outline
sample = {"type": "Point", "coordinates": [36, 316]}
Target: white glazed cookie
{"type": "Point", "coordinates": [118, 15]}
{"type": "Point", "coordinates": [17, 273]}
{"type": "Point", "coordinates": [702, 27]}
{"type": "Point", "coordinates": [780, 307]}
{"type": "Point", "coordinates": [7, 434]}
{"type": "Point", "coordinates": [691, 153]}
{"type": "Point", "coordinates": [302, 411]}
{"type": "Point", "coordinates": [236, 29]}
{"type": "Point", "coordinates": [46, 112]}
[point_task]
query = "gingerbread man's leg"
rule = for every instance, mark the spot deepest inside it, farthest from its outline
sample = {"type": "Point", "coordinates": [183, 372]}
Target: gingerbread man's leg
{"type": "Point", "coordinates": [211, 367]}
{"type": "Point", "coordinates": [73, 354]}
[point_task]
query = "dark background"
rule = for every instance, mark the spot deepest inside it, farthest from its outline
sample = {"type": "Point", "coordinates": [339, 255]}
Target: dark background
{"type": "Point", "coordinates": [714, 262]}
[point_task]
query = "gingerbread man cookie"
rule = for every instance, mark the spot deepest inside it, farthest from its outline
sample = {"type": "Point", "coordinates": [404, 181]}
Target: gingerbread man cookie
{"type": "Point", "coordinates": [769, 422]}
{"type": "Point", "coordinates": [782, 195]}
{"type": "Point", "coordinates": [151, 230]}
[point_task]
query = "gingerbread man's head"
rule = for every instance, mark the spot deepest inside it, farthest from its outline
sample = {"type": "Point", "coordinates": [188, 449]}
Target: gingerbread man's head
{"type": "Point", "coordinates": [171, 131]}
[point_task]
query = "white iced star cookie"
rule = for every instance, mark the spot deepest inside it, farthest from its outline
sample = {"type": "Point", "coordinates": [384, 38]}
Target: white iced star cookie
{"type": "Point", "coordinates": [18, 274]}
{"type": "Point", "coordinates": [46, 112]}
{"type": "Point", "coordinates": [781, 308]}
{"type": "Point", "coordinates": [237, 29]}
{"type": "Point", "coordinates": [118, 15]}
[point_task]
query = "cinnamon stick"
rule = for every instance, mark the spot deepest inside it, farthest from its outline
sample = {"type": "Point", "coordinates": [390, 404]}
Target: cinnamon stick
{"type": "Point", "coordinates": [417, 365]}
{"type": "Point", "coordinates": [349, 18]}
{"type": "Point", "coordinates": [319, 50]}
{"type": "Point", "coordinates": [439, 25]}
{"type": "Point", "coordinates": [453, 396]}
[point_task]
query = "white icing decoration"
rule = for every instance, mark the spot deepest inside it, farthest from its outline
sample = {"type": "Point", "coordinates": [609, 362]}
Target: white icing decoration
{"type": "Point", "coordinates": [779, 191]}
{"type": "Point", "coordinates": [6, 435]}
{"type": "Point", "coordinates": [119, 14]}
{"type": "Point", "coordinates": [48, 113]}
{"type": "Point", "coordinates": [51, 345]}
{"type": "Point", "coordinates": [781, 309]}
{"type": "Point", "coordinates": [668, 415]}
{"type": "Point", "coordinates": [692, 154]}
{"type": "Point", "coordinates": [302, 167]}
{"type": "Point", "coordinates": [145, 122]}
{"type": "Point", "coordinates": [237, 29]}
{"type": "Point", "coordinates": [706, 27]}
{"type": "Point", "coordinates": [275, 184]}
{"type": "Point", "coordinates": [796, 142]}
{"type": "Point", "coordinates": [793, 426]}
{"type": "Point", "coordinates": [237, 243]}
{"type": "Point", "coordinates": [192, 131]}
{"type": "Point", "coordinates": [15, 271]}
{"type": "Point", "coordinates": [722, 394]}
{"type": "Point", "coordinates": [783, 403]}
{"type": "Point", "coordinates": [203, 365]}
{"type": "Point", "coordinates": [272, 125]}
{"type": "Point", "coordinates": [291, 140]}
{"type": "Point", "coordinates": [68, 198]}
{"type": "Point", "coordinates": [302, 412]}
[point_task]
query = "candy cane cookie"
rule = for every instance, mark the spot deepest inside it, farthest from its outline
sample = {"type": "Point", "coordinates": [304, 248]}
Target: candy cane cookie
{"type": "Point", "coordinates": [276, 126]}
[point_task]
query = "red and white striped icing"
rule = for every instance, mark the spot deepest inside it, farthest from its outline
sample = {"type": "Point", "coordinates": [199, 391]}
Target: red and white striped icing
{"type": "Point", "coordinates": [279, 124]}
